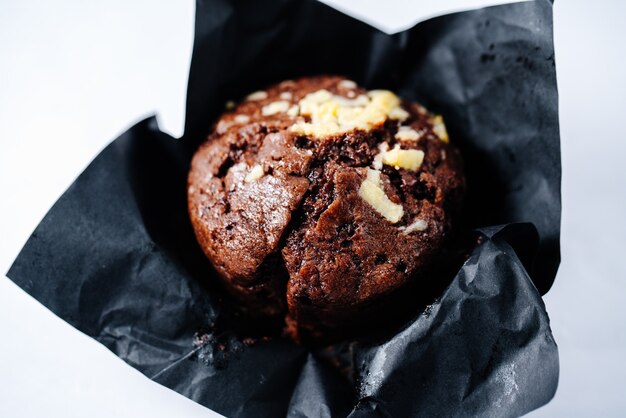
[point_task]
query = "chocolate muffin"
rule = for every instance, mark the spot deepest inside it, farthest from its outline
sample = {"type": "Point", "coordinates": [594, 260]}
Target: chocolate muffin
{"type": "Point", "coordinates": [319, 200]}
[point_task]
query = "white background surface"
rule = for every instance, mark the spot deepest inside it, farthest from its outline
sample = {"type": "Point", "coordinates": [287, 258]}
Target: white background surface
{"type": "Point", "coordinates": [66, 64]}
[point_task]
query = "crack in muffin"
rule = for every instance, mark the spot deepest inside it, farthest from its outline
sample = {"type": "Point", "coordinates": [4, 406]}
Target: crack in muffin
{"type": "Point", "coordinates": [317, 199]}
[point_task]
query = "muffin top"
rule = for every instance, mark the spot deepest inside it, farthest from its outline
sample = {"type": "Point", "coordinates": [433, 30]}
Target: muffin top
{"type": "Point", "coordinates": [350, 191]}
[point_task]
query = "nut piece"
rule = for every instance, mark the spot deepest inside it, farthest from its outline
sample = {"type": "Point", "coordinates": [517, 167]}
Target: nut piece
{"type": "Point", "coordinates": [273, 108]}
{"type": "Point", "coordinates": [257, 95]}
{"type": "Point", "coordinates": [411, 159]}
{"type": "Point", "coordinates": [439, 128]}
{"type": "Point", "coordinates": [331, 114]}
{"type": "Point", "coordinates": [255, 173]}
{"type": "Point", "coordinates": [372, 192]}
{"type": "Point", "coordinates": [406, 133]}
{"type": "Point", "coordinates": [418, 225]}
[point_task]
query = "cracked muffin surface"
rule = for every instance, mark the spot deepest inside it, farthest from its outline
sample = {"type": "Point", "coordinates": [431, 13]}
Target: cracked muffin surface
{"type": "Point", "coordinates": [318, 199]}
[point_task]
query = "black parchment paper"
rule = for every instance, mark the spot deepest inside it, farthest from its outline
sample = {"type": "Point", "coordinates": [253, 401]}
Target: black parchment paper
{"type": "Point", "coordinates": [116, 256]}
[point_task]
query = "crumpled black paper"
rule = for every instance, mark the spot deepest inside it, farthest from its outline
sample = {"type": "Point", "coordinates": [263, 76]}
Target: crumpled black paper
{"type": "Point", "coordinates": [116, 256]}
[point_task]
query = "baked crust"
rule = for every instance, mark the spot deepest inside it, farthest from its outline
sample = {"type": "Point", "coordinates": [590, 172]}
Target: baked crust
{"type": "Point", "coordinates": [283, 214]}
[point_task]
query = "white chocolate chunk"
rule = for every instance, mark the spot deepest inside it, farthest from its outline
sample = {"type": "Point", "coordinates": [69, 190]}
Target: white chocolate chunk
{"type": "Point", "coordinates": [311, 101]}
{"type": "Point", "coordinates": [222, 126]}
{"type": "Point", "coordinates": [374, 177]}
{"type": "Point", "coordinates": [293, 111]}
{"type": "Point", "coordinates": [372, 192]}
{"type": "Point", "coordinates": [439, 128]}
{"type": "Point", "coordinates": [406, 133]}
{"type": "Point", "coordinates": [346, 84]}
{"type": "Point", "coordinates": [286, 95]}
{"type": "Point", "coordinates": [257, 95]}
{"type": "Point", "coordinates": [397, 113]}
{"type": "Point", "coordinates": [273, 108]}
{"type": "Point", "coordinates": [331, 114]}
{"type": "Point", "coordinates": [361, 100]}
{"type": "Point", "coordinates": [287, 83]}
{"type": "Point", "coordinates": [378, 158]}
{"type": "Point", "coordinates": [255, 173]}
{"type": "Point", "coordinates": [242, 119]}
{"type": "Point", "coordinates": [411, 159]}
{"type": "Point", "coordinates": [419, 225]}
